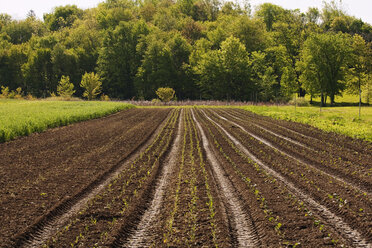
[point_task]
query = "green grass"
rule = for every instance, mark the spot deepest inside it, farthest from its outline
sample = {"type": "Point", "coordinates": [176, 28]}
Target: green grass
{"type": "Point", "coordinates": [343, 120]}
{"type": "Point", "coordinates": [21, 117]}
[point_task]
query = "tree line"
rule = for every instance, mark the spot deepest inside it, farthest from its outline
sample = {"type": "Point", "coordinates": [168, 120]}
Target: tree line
{"type": "Point", "coordinates": [203, 49]}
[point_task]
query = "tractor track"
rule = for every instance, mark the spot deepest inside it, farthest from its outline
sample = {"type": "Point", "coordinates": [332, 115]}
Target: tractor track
{"type": "Point", "coordinates": [336, 222]}
{"type": "Point", "coordinates": [142, 235]}
{"type": "Point", "coordinates": [344, 180]}
{"type": "Point", "coordinates": [345, 145]}
{"type": "Point", "coordinates": [50, 223]}
{"type": "Point", "coordinates": [244, 228]}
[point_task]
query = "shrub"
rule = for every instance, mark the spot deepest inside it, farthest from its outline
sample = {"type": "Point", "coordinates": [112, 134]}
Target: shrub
{"type": "Point", "coordinates": [301, 101]}
{"type": "Point", "coordinates": [65, 88]}
{"type": "Point", "coordinates": [30, 97]}
{"type": "Point", "coordinates": [105, 97]}
{"type": "Point", "coordinates": [18, 94]}
{"type": "Point", "coordinates": [4, 92]}
{"type": "Point", "coordinates": [92, 84]}
{"type": "Point", "coordinates": [165, 94]}
{"type": "Point", "coordinates": [155, 101]}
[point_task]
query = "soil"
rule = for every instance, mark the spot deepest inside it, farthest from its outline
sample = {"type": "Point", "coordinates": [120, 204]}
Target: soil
{"type": "Point", "coordinates": [41, 171]}
{"type": "Point", "coordinates": [186, 178]}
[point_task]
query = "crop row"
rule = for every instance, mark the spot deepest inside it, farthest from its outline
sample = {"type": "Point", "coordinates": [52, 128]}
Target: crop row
{"type": "Point", "coordinates": [96, 221]}
{"type": "Point", "coordinates": [274, 205]}
{"type": "Point", "coordinates": [192, 198]}
{"type": "Point", "coordinates": [335, 195]}
{"type": "Point", "coordinates": [354, 207]}
{"type": "Point", "coordinates": [338, 146]}
{"type": "Point", "coordinates": [320, 158]}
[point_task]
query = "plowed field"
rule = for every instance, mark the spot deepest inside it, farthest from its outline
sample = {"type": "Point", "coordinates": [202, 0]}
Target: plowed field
{"type": "Point", "coordinates": [186, 178]}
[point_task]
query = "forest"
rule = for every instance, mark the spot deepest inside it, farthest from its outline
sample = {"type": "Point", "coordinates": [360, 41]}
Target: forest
{"type": "Point", "coordinates": [203, 49]}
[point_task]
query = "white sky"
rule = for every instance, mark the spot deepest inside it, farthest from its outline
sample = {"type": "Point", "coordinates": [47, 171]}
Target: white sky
{"type": "Point", "coordinates": [18, 9]}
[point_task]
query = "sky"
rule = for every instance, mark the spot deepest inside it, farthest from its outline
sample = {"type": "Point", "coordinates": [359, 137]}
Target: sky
{"type": "Point", "coordinates": [18, 9]}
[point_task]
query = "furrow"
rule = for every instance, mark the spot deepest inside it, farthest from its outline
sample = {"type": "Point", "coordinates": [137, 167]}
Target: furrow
{"type": "Point", "coordinates": [268, 143]}
{"type": "Point", "coordinates": [333, 220]}
{"type": "Point", "coordinates": [308, 142]}
{"type": "Point", "coordinates": [330, 141]}
{"type": "Point", "coordinates": [142, 236]}
{"type": "Point", "coordinates": [53, 223]}
{"type": "Point", "coordinates": [271, 132]}
{"type": "Point", "coordinates": [244, 230]}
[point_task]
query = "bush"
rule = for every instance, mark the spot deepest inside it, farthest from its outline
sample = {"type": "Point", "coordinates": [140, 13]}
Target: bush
{"type": "Point", "coordinates": [65, 88]}
{"type": "Point", "coordinates": [155, 101]}
{"type": "Point", "coordinates": [105, 97]}
{"type": "Point", "coordinates": [30, 97]}
{"type": "Point", "coordinates": [165, 94]}
{"type": "Point", "coordinates": [92, 84]}
{"type": "Point", "coordinates": [301, 101]}
{"type": "Point", "coordinates": [14, 94]}
{"type": "Point", "coordinates": [4, 92]}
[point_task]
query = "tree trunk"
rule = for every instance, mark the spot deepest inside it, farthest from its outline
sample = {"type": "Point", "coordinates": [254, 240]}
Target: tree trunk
{"type": "Point", "coordinates": [302, 92]}
{"type": "Point", "coordinates": [332, 98]}
{"type": "Point", "coordinates": [360, 98]}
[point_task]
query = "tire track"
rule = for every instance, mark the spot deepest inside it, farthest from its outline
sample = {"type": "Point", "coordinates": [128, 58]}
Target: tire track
{"type": "Point", "coordinates": [347, 148]}
{"type": "Point", "coordinates": [43, 231]}
{"type": "Point", "coordinates": [268, 143]}
{"type": "Point", "coordinates": [330, 218]}
{"type": "Point", "coordinates": [245, 232]}
{"type": "Point", "coordinates": [142, 236]}
{"type": "Point", "coordinates": [271, 132]}
{"type": "Point", "coordinates": [352, 153]}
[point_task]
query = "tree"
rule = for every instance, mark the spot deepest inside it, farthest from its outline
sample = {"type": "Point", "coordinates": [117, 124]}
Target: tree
{"type": "Point", "coordinates": [312, 15]}
{"type": "Point", "coordinates": [164, 64]}
{"type": "Point", "coordinates": [63, 16]}
{"type": "Point", "coordinates": [119, 60]}
{"type": "Point", "coordinates": [330, 11]}
{"type": "Point", "coordinates": [270, 13]}
{"type": "Point", "coordinates": [225, 73]}
{"type": "Point", "coordinates": [360, 60]}
{"type": "Point", "coordinates": [324, 61]}
{"type": "Point", "coordinates": [38, 73]}
{"type": "Point", "coordinates": [92, 84]}
{"type": "Point", "coordinates": [165, 94]}
{"type": "Point", "coordinates": [12, 59]}
{"type": "Point", "coordinates": [65, 88]}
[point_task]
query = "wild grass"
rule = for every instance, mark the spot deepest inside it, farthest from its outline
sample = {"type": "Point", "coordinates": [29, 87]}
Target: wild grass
{"type": "Point", "coordinates": [21, 117]}
{"type": "Point", "coordinates": [343, 120]}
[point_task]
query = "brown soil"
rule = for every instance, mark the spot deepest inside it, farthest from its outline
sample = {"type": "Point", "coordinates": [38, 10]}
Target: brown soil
{"type": "Point", "coordinates": [334, 195]}
{"type": "Point", "coordinates": [186, 178]}
{"type": "Point", "coordinates": [41, 171]}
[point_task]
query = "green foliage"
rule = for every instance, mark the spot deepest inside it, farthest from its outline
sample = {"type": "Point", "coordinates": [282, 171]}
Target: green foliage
{"type": "Point", "coordinates": [361, 62]}
{"type": "Point", "coordinates": [38, 72]}
{"type": "Point", "coordinates": [165, 94]}
{"type": "Point", "coordinates": [105, 97]}
{"type": "Point", "coordinates": [202, 49]}
{"type": "Point", "coordinates": [4, 92]}
{"type": "Point", "coordinates": [92, 84]}
{"type": "Point", "coordinates": [324, 62]}
{"type": "Point", "coordinates": [63, 16]}
{"type": "Point", "coordinates": [225, 73]}
{"type": "Point", "coordinates": [119, 61]}
{"type": "Point", "coordinates": [16, 94]}
{"type": "Point", "coordinates": [270, 13]}
{"type": "Point", "coordinates": [164, 63]}
{"type": "Point", "coordinates": [65, 88]}
{"type": "Point", "coordinates": [20, 117]}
